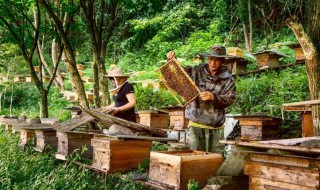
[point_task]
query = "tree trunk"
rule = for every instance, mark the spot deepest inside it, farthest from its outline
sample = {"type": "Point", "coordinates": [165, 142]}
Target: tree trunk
{"type": "Point", "coordinates": [44, 104]}
{"type": "Point", "coordinates": [55, 49]}
{"type": "Point", "coordinates": [70, 57]}
{"type": "Point", "coordinates": [250, 25]}
{"type": "Point", "coordinates": [42, 59]}
{"type": "Point", "coordinates": [96, 90]}
{"type": "Point", "coordinates": [103, 82]}
{"type": "Point", "coordinates": [244, 27]}
{"type": "Point", "coordinates": [312, 67]}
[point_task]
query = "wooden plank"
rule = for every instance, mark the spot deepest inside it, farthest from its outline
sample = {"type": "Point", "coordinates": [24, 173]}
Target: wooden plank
{"type": "Point", "coordinates": [295, 108]}
{"type": "Point", "coordinates": [303, 103]}
{"type": "Point", "coordinates": [73, 123]}
{"type": "Point", "coordinates": [286, 160]}
{"type": "Point", "coordinates": [273, 146]}
{"type": "Point", "coordinates": [260, 122]}
{"type": "Point", "coordinates": [255, 181]}
{"type": "Point", "coordinates": [281, 173]}
{"type": "Point", "coordinates": [307, 124]}
{"type": "Point", "coordinates": [147, 138]}
{"type": "Point", "coordinates": [105, 120]}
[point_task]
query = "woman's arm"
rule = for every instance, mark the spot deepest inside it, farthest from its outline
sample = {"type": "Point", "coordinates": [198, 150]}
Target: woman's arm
{"type": "Point", "coordinates": [131, 103]}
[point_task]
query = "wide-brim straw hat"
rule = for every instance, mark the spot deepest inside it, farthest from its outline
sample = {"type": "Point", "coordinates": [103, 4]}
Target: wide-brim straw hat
{"type": "Point", "coordinates": [116, 72]}
{"type": "Point", "coordinates": [217, 51]}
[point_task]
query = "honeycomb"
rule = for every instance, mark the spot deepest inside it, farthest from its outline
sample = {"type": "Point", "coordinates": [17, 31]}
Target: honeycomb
{"type": "Point", "coordinates": [179, 81]}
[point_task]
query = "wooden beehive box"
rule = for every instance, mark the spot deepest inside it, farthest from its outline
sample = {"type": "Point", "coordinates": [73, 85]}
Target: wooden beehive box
{"type": "Point", "coordinates": [258, 127]}
{"type": "Point", "coordinates": [7, 119]}
{"type": "Point", "coordinates": [175, 168]}
{"type": "Point", "coordinates": [298, 52]}
{"type": "Point", "coordinates": [282, 172]}
{"type": "Point", "coordinates": [36, 68]}
{"type": "Point", "coordinates": [19, 79]}
{"type": "Point", "coordinates": [75, 111]}
{"type": "Point", "coordinates": [175, 78]}
{"type": "Point", "coordinates": [5, 79]}
{"type": "Point", "coordinates": [80, 67]}
{"type": "Point", "coordinates": [238, 66]}
{"type": "Point", "coordinates": [268, 59]}
{"type": "Point", "coordinates": [45, 137]}
{"type": "Point", "coordinates": [154, 118]}
{"type": "Point", "coordinates": [87, 79]}
{"type": "Point", "coordinates": [177, 118]}
{"type": "Point", "coordinates": [119, 155]}
{"type": "Point", "coordinates": [70, 141]}
{"type": "Point", "coordinates": [90, 96]}
{"type": "Point", "coordinates": [29, 79]}
{"type": "Point", "coordinates": [25, 135]}
{"type": "Point", "coordinates": [235, 51]}
{"type": "Point", "coordinates": [46, 79]}
{"type": "Point", "coordinates": [81, 73]}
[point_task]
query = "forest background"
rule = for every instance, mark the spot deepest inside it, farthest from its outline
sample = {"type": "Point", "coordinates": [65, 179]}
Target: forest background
{"type": "Point", "coordinates": [136, 35]}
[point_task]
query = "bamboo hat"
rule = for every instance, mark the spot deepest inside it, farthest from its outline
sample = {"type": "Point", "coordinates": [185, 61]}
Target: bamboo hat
{"type": "Point", "coordinates": [116, 72]}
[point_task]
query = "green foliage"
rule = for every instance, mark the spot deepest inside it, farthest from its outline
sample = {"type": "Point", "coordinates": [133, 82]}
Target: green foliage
{"type": "Point", "coordinates": [193, 185]}
{"type": "Point", "coordinates": [32, 170]}
{"type": "Point", "coordinates": [255, 93]}
{"type": "Point", "coordinates": [148, 99]}
{"type": "Point", "coordinates": [158, 146]}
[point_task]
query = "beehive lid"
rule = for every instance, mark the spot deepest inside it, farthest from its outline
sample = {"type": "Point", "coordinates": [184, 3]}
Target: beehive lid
{"type": "Point", "coordinates": [293, 45]}
{"type": "Point", "coordinates": [175, 78]}
{"type": "Point", "coordinates": [270, 52]}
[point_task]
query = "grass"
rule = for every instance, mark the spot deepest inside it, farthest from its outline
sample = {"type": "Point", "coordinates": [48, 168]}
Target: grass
{"type": "Point", "coordinates": [29, 170]}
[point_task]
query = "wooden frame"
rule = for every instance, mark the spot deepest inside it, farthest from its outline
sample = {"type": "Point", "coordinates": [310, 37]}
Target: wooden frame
{"type": "Point", "coordinates": [173, 76]}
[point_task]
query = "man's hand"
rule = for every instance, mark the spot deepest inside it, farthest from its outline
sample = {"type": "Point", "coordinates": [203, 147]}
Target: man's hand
{"type": "Point", "coordinates": [115, 110]}
{"type": "Point", "coordinates": [170, 55]}
{"type": "Point", "coordinates": [206, 96]}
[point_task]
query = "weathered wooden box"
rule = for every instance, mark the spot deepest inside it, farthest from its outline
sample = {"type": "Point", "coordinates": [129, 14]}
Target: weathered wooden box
{"type": "Point", "coordinates": [235, 51]}
{"type": "Point", "coordinates": [154, 118]}
{"type": "Point", "coordinates": [282, 172]}
{"type": "Point", "coordinates": [268, 59]}
{"type": "Point", "coordinates": [29, 79]}
{"type": "Point", "coordinates": [90, 96]}
{"type": "Point", "coordinates": [177, 118]}
{"type": "Point", "coordinates": [70, 141]}
{"type": "Point", "coordinates": [238, 66]}
{"type": "Point", "coordinates": [25, 135]}
{"type": "Point", "coordinates": [298, 52]}
{"type": "Point", "coordinates": [19, 79]}
{"type": "Point", "coordinates": [80, 67]}
{"type": "Point", "coordinates": [258, 127]}
{"type": "Point", "coordinates": [36, 68]}
{"type": "Point", "coordinates": [81, 73]}
{"type": "Point", "coordinates": [119, 155]}
{"type": "Point", "coordinates": [45, 137]}
{"type": "Point", "coordinates": [173, 169]}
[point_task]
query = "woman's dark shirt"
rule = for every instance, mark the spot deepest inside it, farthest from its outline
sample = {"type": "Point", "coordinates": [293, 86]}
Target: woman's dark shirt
{"type": "Point", "coordinates": [121, 99]}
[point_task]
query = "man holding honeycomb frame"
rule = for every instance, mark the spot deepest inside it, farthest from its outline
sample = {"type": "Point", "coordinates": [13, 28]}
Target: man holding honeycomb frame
{"type": "Point", "coordinates": [218, 91]}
